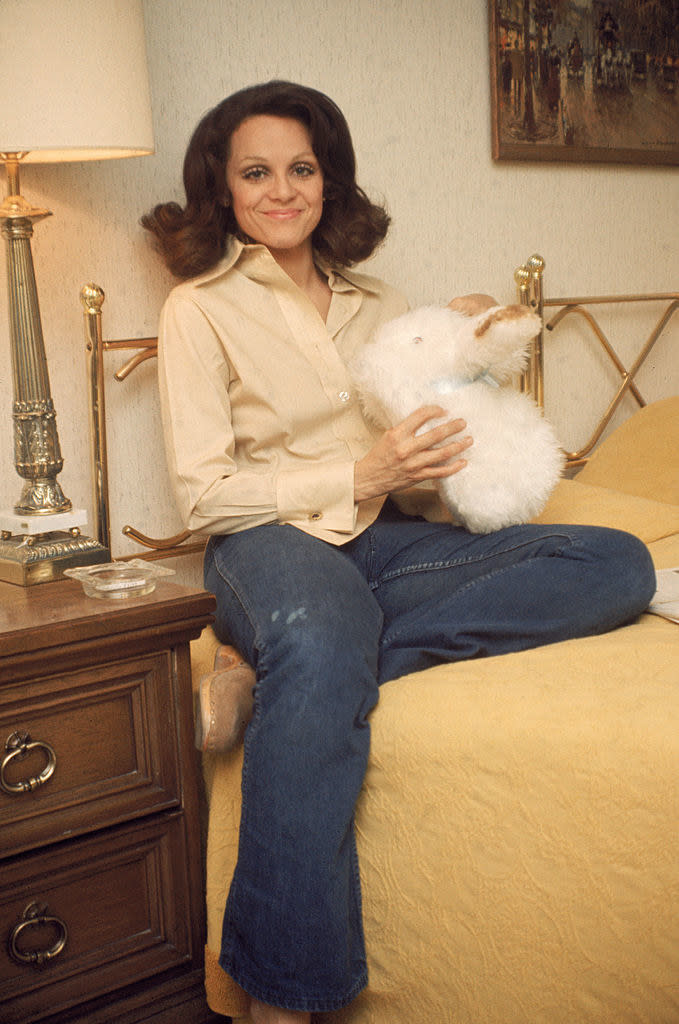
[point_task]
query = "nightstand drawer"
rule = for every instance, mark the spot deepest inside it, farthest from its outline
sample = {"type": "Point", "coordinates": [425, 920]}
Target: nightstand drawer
{"type": "Point", "coordinates": [99, 747]}
{"type": "Point", "coordinates": [116, 905]}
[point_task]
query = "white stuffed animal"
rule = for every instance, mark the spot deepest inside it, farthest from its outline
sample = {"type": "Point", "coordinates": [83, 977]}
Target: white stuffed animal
{"type": "Point", "coordinates": [435, 355]}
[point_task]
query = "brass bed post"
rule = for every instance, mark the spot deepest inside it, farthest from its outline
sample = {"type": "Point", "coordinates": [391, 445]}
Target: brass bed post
{"type": "Point", "coordinates": [529, 281]}
{"type": "Point", "coordinates": [528, 278]}
{"type": "Point", "coordinates": [92, 298]}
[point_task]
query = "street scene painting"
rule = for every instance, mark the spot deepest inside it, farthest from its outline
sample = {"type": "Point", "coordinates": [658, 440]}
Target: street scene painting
{"type": "Point", "coordinates": [585, 80]}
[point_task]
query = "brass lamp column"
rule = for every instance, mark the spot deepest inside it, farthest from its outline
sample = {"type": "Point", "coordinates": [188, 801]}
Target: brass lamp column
{"type": "Point", "coordinates": [37, 455]}
{"type": "Point", "coordinates": [43, 537]}
{"type": "Point", "coordinates": [82, 93]}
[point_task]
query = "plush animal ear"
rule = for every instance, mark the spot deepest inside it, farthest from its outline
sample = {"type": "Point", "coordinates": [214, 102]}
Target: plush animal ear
{"type": "Point", "coordinates": [502, 314]}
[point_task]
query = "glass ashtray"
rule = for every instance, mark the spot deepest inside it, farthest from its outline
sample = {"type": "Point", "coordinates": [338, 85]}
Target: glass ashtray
{"type": "Point", "coordinates": [119, 579]}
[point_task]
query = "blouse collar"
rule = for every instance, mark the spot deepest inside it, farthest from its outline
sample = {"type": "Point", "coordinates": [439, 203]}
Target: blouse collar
{"type": "Point", "coordinates": [340, 279]}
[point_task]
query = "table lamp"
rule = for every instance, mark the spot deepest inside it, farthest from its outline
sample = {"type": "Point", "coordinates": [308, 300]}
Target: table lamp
{"type": "Point", "coordinates": [79, 92]}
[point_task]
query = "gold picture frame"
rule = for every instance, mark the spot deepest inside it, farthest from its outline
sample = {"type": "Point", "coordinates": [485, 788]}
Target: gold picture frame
{"type": "Point", "coordinates": [598, 82]}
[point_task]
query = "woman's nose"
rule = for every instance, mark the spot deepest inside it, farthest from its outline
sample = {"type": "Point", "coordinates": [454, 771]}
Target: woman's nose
{"type": "Point", "coordinates": [281, 187]}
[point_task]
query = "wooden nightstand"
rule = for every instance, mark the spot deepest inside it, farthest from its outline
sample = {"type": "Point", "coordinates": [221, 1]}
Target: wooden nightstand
{"type": "Point", "coordinates": [101, 879]}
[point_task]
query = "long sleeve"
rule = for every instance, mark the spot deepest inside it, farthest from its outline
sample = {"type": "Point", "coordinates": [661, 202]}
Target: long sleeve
{"type": "Point", "coordinates": [260, 420]}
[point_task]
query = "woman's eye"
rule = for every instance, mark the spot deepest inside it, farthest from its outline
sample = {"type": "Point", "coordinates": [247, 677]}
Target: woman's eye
{"type": "Point", "coordinates": [304, 170]}
{"type": "Point", "coordinates": [256, 174]}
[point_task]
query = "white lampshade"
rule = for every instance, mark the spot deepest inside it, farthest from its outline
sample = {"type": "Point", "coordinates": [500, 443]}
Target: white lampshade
{"type": "Point", "coordinates": [73, 80]}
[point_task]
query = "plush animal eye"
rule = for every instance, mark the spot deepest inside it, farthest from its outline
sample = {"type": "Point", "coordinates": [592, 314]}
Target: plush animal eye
{"type": "Point", "coordinates": [417, 341]}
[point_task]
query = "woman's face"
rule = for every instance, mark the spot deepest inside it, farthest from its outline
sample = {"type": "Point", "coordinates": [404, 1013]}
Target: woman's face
{"type": "Point", "coordinates": [275, 182]}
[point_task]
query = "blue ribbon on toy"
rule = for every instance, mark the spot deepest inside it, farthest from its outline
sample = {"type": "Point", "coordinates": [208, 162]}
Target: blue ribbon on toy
{"type": "Point", "coordinates": [446, 385]}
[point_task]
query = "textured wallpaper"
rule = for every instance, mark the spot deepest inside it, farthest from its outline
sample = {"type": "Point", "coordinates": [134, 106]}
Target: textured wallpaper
{"type": "Point", "coordinates": [413, 80]}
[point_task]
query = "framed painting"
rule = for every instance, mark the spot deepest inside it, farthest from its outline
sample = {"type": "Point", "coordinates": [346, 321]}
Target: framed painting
{"type": "Point", "coordinates": [585, 80]}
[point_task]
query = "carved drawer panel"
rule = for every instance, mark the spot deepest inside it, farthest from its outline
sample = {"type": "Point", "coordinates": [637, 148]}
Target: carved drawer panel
{"type": "Point", "coordinates": [91, 917]}
{"type": "Point", "coordinates": [85, 750]}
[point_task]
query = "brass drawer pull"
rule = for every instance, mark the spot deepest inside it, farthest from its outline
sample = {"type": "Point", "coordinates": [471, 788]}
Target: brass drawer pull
{"type": "Point", "coordinates": [32, 917]}
{"type": "Point", "coordinates": [17, 746]}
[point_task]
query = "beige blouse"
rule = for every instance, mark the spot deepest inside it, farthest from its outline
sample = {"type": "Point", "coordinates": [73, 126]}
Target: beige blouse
{"type": "Point", "coordinates": [261, 420]}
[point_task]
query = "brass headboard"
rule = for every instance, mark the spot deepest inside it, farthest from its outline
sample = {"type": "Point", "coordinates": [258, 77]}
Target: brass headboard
{"type": "Point", "coordinates": [92, 298]}
{"type": "Point", "coordinates": [529, 279]}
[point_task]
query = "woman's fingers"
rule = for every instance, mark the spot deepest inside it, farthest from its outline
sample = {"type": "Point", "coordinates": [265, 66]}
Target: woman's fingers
{"type": "Point", "coordinates": [420, 453]}
{"type": "Point", "coordinates": [408, 453]}
{"type": "Point", "coordinates": [434, 463]}
{"type": "Point", "coordinates": [415, 438]}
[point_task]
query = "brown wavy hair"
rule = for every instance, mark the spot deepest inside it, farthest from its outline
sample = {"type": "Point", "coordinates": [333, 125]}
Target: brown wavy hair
{"type": "Point", "coordinates": [193, 238]}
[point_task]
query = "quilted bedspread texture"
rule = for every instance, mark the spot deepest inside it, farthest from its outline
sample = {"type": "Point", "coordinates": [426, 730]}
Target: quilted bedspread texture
{"type": "Point", "coordinates": [519, 823]}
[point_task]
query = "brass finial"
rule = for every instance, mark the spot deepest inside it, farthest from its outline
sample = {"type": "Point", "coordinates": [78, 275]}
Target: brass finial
{"type": "Point", "coordinates": [536, 265]}
{"type": "Point", "coordinates": [522, 278]}
{"type": "Point", "coordinates": [92, 298]}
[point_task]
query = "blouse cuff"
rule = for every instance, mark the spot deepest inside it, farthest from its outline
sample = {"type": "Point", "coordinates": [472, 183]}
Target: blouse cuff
{"type": "Point", "coordinates": [318, 497]}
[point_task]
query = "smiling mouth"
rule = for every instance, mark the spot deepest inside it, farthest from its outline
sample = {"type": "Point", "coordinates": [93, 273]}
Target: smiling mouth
{"type": "Point", "coordinates": [282, 214]}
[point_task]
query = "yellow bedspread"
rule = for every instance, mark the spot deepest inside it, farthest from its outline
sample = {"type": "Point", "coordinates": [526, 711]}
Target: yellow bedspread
{"type": "Point", "coordinates": [519, 824]}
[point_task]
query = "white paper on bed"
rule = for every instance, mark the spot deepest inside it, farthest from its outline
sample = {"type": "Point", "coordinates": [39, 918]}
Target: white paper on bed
{"type": "Point", "coordinates": [666, 599]}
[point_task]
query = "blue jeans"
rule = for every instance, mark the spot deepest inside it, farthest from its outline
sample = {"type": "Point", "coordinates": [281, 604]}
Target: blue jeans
{"type": "Point", "coordinates": [323, 626]}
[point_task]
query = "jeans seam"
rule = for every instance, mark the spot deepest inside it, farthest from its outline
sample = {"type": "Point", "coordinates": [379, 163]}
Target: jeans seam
{"type": "Point", "coordinates": [450, 564]}
{"type": "Point", "coordinates": [234, 590]}
{"type": "Point", "coordinates": [486, 576]}
{"type": "Point", "coordinates": [256, 714]}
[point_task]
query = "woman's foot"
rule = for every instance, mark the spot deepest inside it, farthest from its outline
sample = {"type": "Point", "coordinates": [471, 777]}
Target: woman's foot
{"type": "Point", "coordinates": [224, 702]}
{"type": "Point", "coordinates": [262, 1013]}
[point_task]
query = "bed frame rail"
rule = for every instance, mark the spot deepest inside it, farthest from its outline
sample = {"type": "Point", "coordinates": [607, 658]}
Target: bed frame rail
{"type": "Point", "coordinates": [530, 283]}
{"type": "Point", "coordinates": [529, 280]}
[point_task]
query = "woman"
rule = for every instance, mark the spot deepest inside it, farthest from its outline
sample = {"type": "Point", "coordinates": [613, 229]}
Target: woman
{"type": "Point", "coordinates": [321, 582]}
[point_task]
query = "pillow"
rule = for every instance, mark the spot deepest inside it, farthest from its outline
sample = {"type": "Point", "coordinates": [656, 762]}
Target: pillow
{"type": "Point", "coordinates": [642, 455]}
{"type": "Point", "coordinates": [573, 501]}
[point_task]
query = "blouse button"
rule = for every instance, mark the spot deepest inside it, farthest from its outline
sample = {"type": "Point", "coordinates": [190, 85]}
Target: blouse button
{"type": "Point", "coordinates": [344, 396]}
{"type": "Point", "coordinates": [315, 516]}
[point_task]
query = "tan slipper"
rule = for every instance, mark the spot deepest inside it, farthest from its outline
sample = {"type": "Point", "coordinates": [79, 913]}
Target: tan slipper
{"type": "Point", "coordinates": [224, 702]}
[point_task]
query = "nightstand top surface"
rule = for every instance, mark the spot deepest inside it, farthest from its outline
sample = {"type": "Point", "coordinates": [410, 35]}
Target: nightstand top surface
{"type": "Point", "coordinates": [50, 614]}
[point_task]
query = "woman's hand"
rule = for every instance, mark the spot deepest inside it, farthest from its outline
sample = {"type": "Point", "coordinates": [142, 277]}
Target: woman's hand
{"type": "Point", "coordinates": [402, 457]}
{"type": "Point", "coordinates": [472, 304]}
